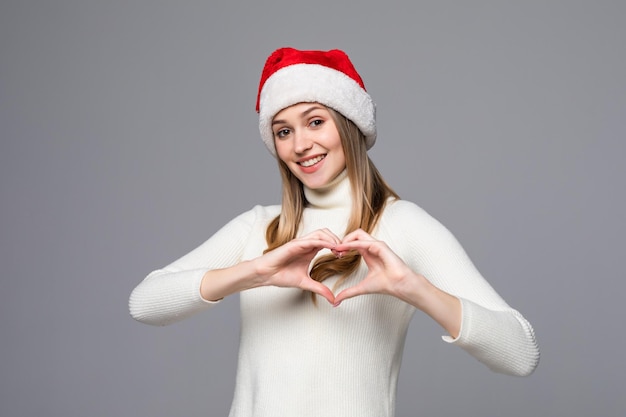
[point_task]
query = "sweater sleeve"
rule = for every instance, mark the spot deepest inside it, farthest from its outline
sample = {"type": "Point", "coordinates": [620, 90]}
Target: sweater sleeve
{"type": "Point", "coordinates": [491, 331]}
{"type": "Point", "coordinates": [172, 293]}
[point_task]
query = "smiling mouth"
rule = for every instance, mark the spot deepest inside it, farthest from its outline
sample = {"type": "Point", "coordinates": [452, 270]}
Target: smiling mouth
{"type": "Point", "coordinates": [312, 161]}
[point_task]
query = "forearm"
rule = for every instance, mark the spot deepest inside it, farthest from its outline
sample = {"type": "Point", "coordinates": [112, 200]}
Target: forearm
{"type": "Point", "coordinates": [490, 330]}
{"type": "Point", "coordinates": [179, 290]}
{"type": "Point", "coordinates": [442, 307]}
{"type": "Point", "coordinates": [501, 339]}
{"type": "Point", "coordinates": [219, 283]}
{"type": "Point", "coordinates": [165, 297]}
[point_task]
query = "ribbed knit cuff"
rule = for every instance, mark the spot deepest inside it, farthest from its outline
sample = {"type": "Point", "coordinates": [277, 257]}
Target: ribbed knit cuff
{"type": "Point", "coordinates": [161, 299]}
{"type": "Point", "coordinates": [503, 340]}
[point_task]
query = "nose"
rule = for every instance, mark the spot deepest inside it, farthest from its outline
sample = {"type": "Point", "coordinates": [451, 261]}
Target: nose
{"type": "Point", "coordinates": [302, 141]}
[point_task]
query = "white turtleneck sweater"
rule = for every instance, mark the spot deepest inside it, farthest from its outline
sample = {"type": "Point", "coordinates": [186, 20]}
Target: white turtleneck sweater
{"type": "Point", "coordinates": [298, 359]}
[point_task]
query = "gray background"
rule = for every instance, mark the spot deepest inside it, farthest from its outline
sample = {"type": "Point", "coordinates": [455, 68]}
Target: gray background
{"type": "Point", "coordinates": [128, 136]}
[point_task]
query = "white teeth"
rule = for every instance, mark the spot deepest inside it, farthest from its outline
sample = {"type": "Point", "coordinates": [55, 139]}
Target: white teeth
{"type": "Point", "coordinates": [312, 161]}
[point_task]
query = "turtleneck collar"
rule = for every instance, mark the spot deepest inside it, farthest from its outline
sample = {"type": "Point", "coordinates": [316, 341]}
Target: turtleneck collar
{"type": "Point", "coordinates": [336, 194]}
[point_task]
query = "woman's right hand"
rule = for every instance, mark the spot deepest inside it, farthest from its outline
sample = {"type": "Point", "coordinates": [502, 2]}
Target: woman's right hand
{"type": "Point", "coordinates": [288, 265]}
{"type": "Point", "coordinates": [285, 266]}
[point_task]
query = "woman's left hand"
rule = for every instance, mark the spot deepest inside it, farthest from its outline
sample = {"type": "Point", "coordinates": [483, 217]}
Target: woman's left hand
{"type": "Point", "coordinates": [388, 274]}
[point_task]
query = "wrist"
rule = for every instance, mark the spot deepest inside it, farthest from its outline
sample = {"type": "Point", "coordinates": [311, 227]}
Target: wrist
{"type": "Point", "coordinates": [411, 288]}
{"type": "Point", "coordinates": [441, 306]}
{"type": "Point", "coordinates": [260, 274]}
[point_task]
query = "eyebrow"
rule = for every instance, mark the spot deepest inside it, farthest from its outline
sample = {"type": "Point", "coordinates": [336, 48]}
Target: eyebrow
{"type": "Point", "coordinates": [303, 114]}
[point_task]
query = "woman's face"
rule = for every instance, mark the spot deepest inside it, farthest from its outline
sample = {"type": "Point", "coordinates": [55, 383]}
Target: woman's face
{"type": "Point", "coordinates": [307, 141]}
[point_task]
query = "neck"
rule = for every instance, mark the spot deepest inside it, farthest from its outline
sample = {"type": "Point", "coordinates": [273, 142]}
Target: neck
{"type": "Point", "coordinates": [335, 194]}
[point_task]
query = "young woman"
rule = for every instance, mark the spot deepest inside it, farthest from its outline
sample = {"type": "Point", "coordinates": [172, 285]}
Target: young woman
{"type": "Point", "coordinates": [330, 279]}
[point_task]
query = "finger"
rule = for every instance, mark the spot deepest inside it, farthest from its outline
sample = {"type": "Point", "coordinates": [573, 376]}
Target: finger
{"type": "Point", "coordinates": [361, 246]}
{"type": "Point", "coordinates": [306, 245]}
{"type": "Point", "coordinates": [318, 288]}
{"type": "Point", "coordinates": [349, 293]}
{"type": "Point", "coordinates": [323, 234]}
{"type": "Point", "coordinates": [331, 235]}
{"type": "Point", "coordinates": [358, 234]}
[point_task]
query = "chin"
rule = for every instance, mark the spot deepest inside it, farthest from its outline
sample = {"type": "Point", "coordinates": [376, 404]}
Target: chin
{"type": "Point", "coordinates": [318, 185]}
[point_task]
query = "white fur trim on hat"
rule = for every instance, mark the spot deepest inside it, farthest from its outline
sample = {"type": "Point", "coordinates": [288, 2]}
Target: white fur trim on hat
{"type": "Point", "coordinates": [308, 83]}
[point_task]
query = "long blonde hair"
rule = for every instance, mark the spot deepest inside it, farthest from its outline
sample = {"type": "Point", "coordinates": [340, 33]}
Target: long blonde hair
{"type": "Point", "coordinates": [369, 196]}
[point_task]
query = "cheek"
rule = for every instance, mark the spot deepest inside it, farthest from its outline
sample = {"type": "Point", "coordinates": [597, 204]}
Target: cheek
{"type": "Point", "coordinates": [281, 150]}
{"type": "Point", "coordinates": [284, 156]}
{"type": "Point", "coordinates": [338, 148]}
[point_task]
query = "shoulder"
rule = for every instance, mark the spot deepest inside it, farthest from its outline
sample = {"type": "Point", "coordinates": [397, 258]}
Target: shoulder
{"type": "Point", "coordinates": [245, 227]}
{"type": "Point", "coordinates": [266, 211]}
{"type": "Point", "coordinates": [396, 211]}
{"type": "Point", "coordinates": [257, 217]}
{"type": "Point", "coordinates": [405, 218]}
{"type": "Point", "coordinates": [424, 243]}
{"type": "Point", "coordinates": [258, 214]}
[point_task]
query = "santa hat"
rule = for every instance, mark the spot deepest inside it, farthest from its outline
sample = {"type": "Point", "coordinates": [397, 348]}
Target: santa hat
{"type": "Point", "coordinates": [291, 76]}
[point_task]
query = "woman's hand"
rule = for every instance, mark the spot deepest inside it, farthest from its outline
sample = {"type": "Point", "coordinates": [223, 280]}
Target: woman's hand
{"type": "Point", "coordinates": [388, 274]}
{"type": "Point", "coordinates": [288, 265]}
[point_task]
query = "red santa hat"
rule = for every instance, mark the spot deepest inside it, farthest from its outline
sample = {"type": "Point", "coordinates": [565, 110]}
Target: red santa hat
{"type": "Point", "coordinates": [291, 76]}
